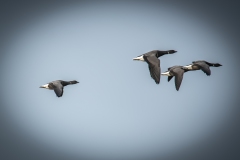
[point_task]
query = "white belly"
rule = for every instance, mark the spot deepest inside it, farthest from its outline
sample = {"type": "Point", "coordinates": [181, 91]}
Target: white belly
{"type": "Point", "coordinates": [166, 73]}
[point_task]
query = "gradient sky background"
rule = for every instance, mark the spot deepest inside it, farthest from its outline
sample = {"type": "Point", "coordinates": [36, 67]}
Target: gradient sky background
{"type": "Point", "coordinates": [117, 110]}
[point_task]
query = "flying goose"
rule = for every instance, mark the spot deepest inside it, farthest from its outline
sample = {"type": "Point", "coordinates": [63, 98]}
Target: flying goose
{"type": "Point", "coordinates": [177, 72]}
{"type": "Point", "coordinates": [153, 62]}
{"type": "Point", "coordinates": [203, 65]}
{"type": "Point", "coordinates": [57, 86]}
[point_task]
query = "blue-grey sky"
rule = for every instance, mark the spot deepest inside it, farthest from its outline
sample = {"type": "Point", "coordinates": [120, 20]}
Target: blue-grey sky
{"type": "Point", "coordinates": [117, 110]}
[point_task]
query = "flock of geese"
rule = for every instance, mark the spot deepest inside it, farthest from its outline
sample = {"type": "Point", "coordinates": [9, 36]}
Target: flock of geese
{"type": "Point", "coordinates": [154, 67]}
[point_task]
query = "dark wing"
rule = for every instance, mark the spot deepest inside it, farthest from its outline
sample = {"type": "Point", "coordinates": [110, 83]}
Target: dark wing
{"type": "Point", "coordinates": [169, 78]}
{"type": "Point", "coordinates": [154, 67]}
{"type": "Point", "coordinates": [58, 89]}
{"type": "Point", "coordinates": [178, 73]}
{"type": "Point", "coordinates": [204, 67]}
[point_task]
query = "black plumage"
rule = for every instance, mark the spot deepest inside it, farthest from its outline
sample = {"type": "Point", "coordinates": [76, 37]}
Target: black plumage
{"type": "Point", "coordinates": [58, 86]}
{"type": "Point", "coordinates": [177, 72]}
{"type": "Point", "coordinates": [153, 62]}
{"type": "Point", "coordinates": [202, 65]}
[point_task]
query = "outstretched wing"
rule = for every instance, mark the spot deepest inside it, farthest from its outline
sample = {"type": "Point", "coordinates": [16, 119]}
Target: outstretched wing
{"type": "Point", "coordinates": [204, 67]}
{"type": "Point", "coordinates": [178, 73]}
{"type": "Point", "coordinates": [169, 78]}
{"type": "Point", "coordinates": [154, 67]}
{"type": "Point", "coordinates": [58, 89]}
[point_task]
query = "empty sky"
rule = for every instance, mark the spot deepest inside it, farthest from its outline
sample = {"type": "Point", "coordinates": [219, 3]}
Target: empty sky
{"type": "Point", "coordinates": [117, 110]}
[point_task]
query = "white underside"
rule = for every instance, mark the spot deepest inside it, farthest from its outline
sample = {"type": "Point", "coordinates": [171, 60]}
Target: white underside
{"type": "Point", "coordinates": [139, 58]}
{"type": "Point", "coordinates": [188, 66]}
{"type": "Point", "coordinates": [165, 73]}
{"type": "Point", "coordinates": [46, 86]}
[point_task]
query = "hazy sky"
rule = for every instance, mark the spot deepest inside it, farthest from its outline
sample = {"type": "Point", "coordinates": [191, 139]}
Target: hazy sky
{"type": "Point", "coordinates": [117, 110]}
